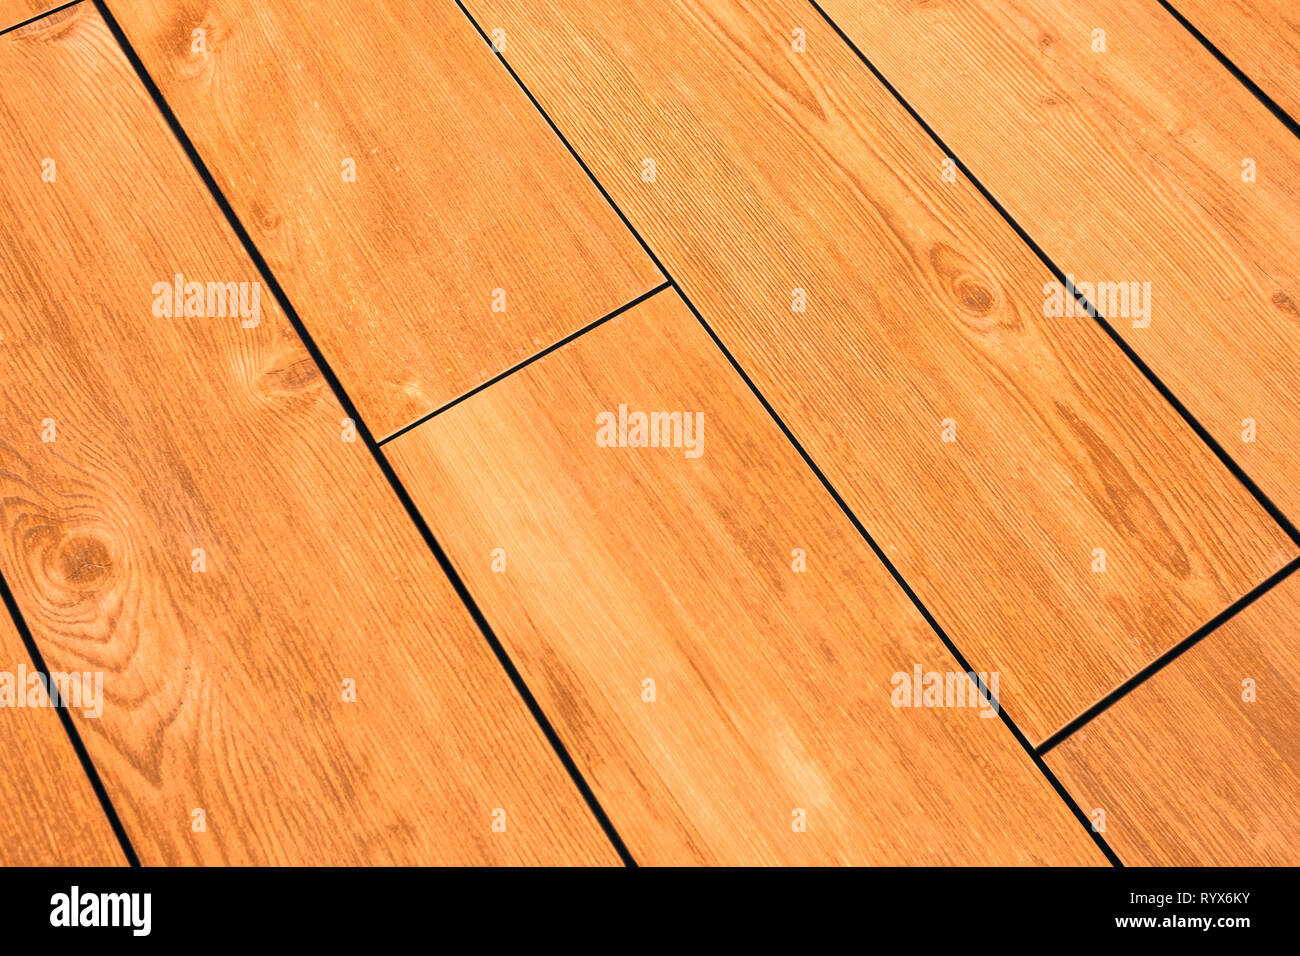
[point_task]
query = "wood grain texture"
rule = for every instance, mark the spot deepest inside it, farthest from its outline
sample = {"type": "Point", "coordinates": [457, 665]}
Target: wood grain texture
{"type": "Point", "coordinates": [772, 687]}
{"type": "Point", "coordinates": [225, 689]}
{"type": "Point", "coordinates": [923, 306]}
{"type": "Point", "coordinates": [1188, 772]}
{"type": "Point", "coordinates": [48, 812]}
{"type": "Point", "coordinates": [1261, 37]}
{"type": "Point", "coordinates": [460, 188]}
{"type": "Point", "coordinates": [1128, 166]}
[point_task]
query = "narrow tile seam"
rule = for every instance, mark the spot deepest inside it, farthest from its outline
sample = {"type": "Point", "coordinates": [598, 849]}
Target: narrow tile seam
{"type": "Point", "coordinates": [1167, 658]}
{"type": "Point", "coordinates": [571, 337]}
{"type": "Point", "coordinates": [1282, 116]}
{"type": "Point", "coordinates": [40, 16]}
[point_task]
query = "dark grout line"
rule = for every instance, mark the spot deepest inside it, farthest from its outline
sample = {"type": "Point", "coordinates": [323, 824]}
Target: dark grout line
{"type": "Point", "coordinates": [1166, 393]}
{"type": "Point", "coordinates": [342, 397]}
{"type": "Point", "coordinates": [889, 565]}
{"type": "Point", "coordinates": [1170, 655]}
{"type": "Point", "coordinates": [69, 726]}
{"type": "Point", "coordinates": [526, 362]}
{"type": "Point", "coordinates": [1282, 115]}
{"type": "Point", "coordinates": [39, 16]}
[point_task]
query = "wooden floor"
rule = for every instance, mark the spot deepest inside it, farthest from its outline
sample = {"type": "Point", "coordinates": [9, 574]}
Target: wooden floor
{"type": "Point", "coordinates": [763, 432]}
